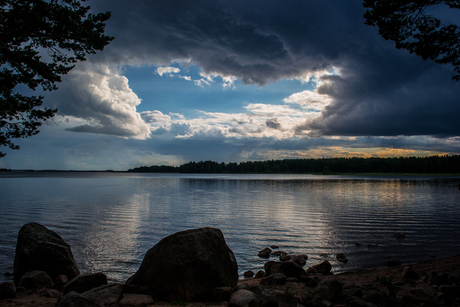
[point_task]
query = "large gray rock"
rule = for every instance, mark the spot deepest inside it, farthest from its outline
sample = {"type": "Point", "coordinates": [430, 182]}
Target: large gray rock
{"type": "Point", "coordinates": [85, 282]}
{"type": "Point", "coordinates": [39, 248]}
{"type": "Point", "coordinates": [188, 265]}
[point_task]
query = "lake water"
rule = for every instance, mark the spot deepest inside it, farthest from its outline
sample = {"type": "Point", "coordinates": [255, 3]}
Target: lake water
{"type": "Point", "coordinates": [112, 219]}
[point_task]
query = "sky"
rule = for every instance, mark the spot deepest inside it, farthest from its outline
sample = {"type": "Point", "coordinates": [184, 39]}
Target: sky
{"type": "Point", "coordinates": [233, 81]}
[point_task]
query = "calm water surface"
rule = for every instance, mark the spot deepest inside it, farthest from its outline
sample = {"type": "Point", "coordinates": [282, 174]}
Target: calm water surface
{"type": "Point", "coordinates": [111, 219]}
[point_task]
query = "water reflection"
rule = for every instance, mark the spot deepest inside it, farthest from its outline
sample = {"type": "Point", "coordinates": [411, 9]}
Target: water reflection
{"type": "Point", "coordinates": [111, 221]}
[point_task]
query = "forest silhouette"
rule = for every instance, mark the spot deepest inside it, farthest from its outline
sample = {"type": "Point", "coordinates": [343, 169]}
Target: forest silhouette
{"type": "Point", "coordinates": [418, 165]}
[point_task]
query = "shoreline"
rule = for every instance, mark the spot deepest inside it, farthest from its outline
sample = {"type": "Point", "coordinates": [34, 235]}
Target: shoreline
{"type": "Point", "coordinates": [365, 279]}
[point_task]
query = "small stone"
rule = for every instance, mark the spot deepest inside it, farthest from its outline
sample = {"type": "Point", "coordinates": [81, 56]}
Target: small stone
{"type": "Point", "coordinates": [265, 253]}
{"type": "Point", "coordinates": [341, 257]}
{"type": "Point", "coordinates": [61, 280]}
{"type": "Point", "coordinates": [372, 244]}
{"type": "Point", "coordinates": [51, 293]}
{"type": "Point", "coordinates": [132, 299]}
{"type": "Point", "coordinates": [243, 298]}
{"type": "Point", "coordinates": [35, 280]}
{"type": "Point", "coordinates": [434, 279]}
{"type": "Point", "coordinates": [299, 260]}
{"type": "Point", "coordinates": [358, 244]}
{"type": "Point", "coordinates": [285, 257]}
{"type": "Point", "coordinates": [260, 274]}
{"type": "Point", "coordinates": [7, 290]}
{"type": "Point", "coordinates": [275, 279]}
{"type": "Point", "coordinates": [399, 234]}
{"type": "Point", "coordinates": [419, 293]}
{"type": "Point", "coordinates": [223, 293]}
{"type": "Point", "coordinates": [322, 268]}
{"type": "Point", "coordinates": [269, 301]}
{"type": "Point", "coordinates": [274, 246]}
{"type": "Point", "coordinates": [278, 253]}
{"type": "Point", "coordinates": [393, 262]}
{"type": "Point", "coordinates": [310, 282]}
{"type": "Point", "coordinates": [248, 274]}
{"type": "Point", "coordinates": [409, 273]}
{"type": "Point", "coordinates": [452, 291]}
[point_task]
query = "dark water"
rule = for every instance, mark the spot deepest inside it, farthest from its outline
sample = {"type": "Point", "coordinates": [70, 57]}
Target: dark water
{"type": "Point", "coordinates": [111, 220]}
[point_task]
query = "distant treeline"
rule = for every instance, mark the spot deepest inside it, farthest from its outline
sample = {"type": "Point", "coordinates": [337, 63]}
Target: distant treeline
{"type": "Point", "coordinates": [428, 165]}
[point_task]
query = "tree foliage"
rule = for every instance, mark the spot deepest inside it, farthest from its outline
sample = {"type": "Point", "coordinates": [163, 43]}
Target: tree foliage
{"type": "Point", "coordinates": [408, 24]}
{"type": "Point", "coordinates": [419, 165]}
{"type": "Point", "coordinates": [40, 41]}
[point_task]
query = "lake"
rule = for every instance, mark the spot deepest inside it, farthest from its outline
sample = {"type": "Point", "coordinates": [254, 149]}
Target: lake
{"type": "Point", "coordinates": [111, 219]}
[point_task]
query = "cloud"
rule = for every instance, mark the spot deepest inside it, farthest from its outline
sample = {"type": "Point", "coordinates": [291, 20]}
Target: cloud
{"type": "Point", "coordinates": [366, 93]}
{"type": "Point", "coordinates": [167, 70]}
{"type": "Point", "coordinates": [365, 86]}
{"type": "Point", "coordinates": [102, 100]}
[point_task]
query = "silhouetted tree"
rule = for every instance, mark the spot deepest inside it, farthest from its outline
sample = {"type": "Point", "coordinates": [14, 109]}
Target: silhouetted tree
{"type": "Point", "coordinates": [39, 42]}
{"type": "Point", "coordinates": [410, 27]}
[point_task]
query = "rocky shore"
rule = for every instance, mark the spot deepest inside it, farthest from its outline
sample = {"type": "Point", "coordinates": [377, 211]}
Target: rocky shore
{"type": "Point", "coordinates": [196, 268]}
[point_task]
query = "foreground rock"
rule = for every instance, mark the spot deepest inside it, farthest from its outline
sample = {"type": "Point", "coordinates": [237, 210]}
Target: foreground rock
{"type": "Point", "coordinates": [188, 265]}
{"type": "Point", "coordinates": [85, 282]}
{"type": "Point", "coordinates": [41, 249]}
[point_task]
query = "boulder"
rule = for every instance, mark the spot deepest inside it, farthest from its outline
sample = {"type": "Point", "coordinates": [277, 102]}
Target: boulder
{"type": "Point", "coordinates": [287, 268]}
{"type": "Point", "coordinates": [265, 253]}
{"type": "Point", "coordinates": [35, 280]}
{"type": "Point", "coordinates": [74, 299]}
{"type": "Point", "coordinates": [188, 265]}
{"type": "Point", "coordinates": [7, 290]}
{"type": "Point", "coordinates": [341, 257]}
{"type": "Point", "coordinates": [39, 248]}
{"type": "Point", "coordinates": [85, 282]}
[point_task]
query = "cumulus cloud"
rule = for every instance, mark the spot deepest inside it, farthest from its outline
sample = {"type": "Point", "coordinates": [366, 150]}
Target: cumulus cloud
{"type": "Point", "coordinates": [101, 97]}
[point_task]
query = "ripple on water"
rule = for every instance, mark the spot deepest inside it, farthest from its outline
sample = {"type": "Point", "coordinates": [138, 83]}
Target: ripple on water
{"type": "Point", "coordinates": [111, 221]}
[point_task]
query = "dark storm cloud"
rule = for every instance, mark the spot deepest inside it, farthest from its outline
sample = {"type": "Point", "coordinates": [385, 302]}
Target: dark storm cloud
{"type": "Point", "coordinates": [381, 91]}
{"type": "Point", "coordinates": [257, 42]}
